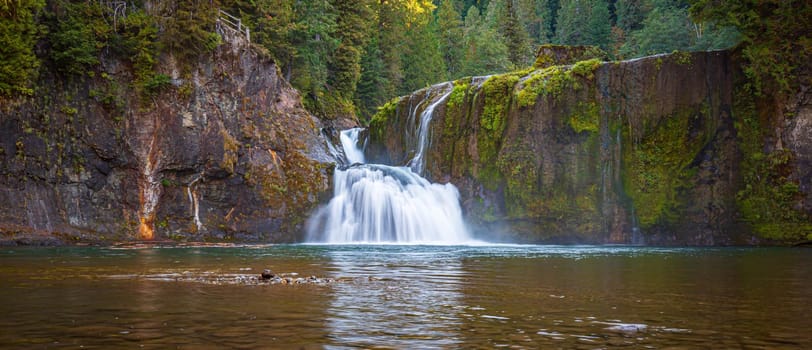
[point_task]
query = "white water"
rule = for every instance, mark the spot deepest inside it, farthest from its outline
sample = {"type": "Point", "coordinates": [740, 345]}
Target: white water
{"type": "Point", "coordinates": [193, 201]}
{"type": "Point", "coordinates": [376, 204]}
{"type": "Point", "coordinates": [349, 141]}
{"type": "Point", "coordinates": [417, 163]}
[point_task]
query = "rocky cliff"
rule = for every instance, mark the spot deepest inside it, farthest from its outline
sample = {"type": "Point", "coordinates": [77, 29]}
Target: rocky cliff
{"type": "Point", "coordinates": [668, 149]}
{"type": "Point", "coordinates": [224, 151]}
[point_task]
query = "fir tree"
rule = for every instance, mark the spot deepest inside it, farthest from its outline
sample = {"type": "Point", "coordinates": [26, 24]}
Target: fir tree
{"type": "Point", "coordinates": [423, 62]}
{"type": "Point", "coordinates": [584, 22]}
{"type": "Point", "coordinates": [353, 32]}
{"type": "Point", "coordinates": [450, 29]}
{"type": "Point", "coordinates": [485, 53]}
{"type": "Point", "coordinates": [373, 85]}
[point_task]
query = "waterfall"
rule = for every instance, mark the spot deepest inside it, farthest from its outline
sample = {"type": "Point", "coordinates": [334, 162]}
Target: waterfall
{"type": "Point", "coordinates": [349, 142]}
{"type": "Point", "coordinates": [193, 202]}
{"type": "Point", "coordinates": [375, 203]}
{"type": "Point", "coordinates": [417, 163]}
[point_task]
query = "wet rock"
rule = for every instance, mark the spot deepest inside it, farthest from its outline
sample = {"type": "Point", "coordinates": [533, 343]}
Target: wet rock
{"type": "Point", "coordinates": [267, 274]}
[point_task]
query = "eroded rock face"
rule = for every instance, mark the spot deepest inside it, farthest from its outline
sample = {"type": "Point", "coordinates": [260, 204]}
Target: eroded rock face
{"type": "Point", "coordinates": [640, 151]}
{"type": "Point", "coordinates": [227, 152]}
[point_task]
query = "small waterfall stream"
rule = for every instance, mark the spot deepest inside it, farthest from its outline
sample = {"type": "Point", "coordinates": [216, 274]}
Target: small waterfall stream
{"type": "Point", "coordinates": [417, 163]}
{"type": "Point", "coordinates": [375, 203]}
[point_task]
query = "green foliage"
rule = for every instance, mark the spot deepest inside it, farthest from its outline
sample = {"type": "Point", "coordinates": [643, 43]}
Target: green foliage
{"type": "Point", "coordinates": [510, 29]}
{"type": "Point", "coordinates": [314, 39]}
{"type": "Point", "coordinates": [423, 63]}
{"type": "Point", "coordinates": [372, 87]}
{"type": "Point", "coordinates": [631, 14]}
{"type": "Point", "coordinates": [78, 32]}
{"type": "Point", "coordinates": [663, 30]}
{"type": "Point", "coordinates": [157, 83]}
{"type": "Point", "coordinates": [352, 31]}
{"type": "Point", "coordinates": [18, 35]}
{"type": "Point", "coordinates": [584, 22]}
{"type": "Point", "coordinates": [187, 27]}
{"type": "Point", "coordinates": [775, 37]}
{"type": "Point", "coordinates": [449, 25]}
{"type": "Point", "coordinates": [138, 41]}
{"type": "Point", "coordinates": [486, 53]}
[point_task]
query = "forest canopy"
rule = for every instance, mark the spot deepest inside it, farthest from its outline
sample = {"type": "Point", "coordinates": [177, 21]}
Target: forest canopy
{"type": "Point", "coordinates": [353, 55]}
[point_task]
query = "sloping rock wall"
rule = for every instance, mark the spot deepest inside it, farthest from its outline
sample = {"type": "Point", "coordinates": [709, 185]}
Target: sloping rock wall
{"type": "Point", "coordinates": [226, 152]}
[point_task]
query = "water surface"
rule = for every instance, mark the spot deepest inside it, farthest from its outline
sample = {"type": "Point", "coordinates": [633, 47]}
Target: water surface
{"type": "Point", "coordinates": [406, 297]}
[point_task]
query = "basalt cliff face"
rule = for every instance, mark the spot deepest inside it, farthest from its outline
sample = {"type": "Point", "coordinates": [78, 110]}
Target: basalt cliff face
{"type": "Point", "coordinates": [667, 149]}
{"type": "Point", "coordinates": [224, 152]}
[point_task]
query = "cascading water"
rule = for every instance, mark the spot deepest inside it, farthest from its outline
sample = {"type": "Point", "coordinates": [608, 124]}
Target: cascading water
{"type": "Point", "coordinates": [417, 163]}
{"type": "Point", "coordinates": [374, 203]}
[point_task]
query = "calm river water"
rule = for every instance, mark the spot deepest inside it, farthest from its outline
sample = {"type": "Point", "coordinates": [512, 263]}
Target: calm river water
{"type": "Point", "coordinates": [406, 297]}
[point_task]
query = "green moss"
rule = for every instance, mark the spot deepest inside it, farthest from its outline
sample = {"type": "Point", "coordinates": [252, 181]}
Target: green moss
{"type": "Point", "coordinates": [555, 55]}
{"type": "Point", "coordinates": [768, 197]}
{"type": "Point", "coordinates": [657, 169]}
{"type": "Point", "coordinates": [497, 93]}
{"type": "Point", "coordinates": [549, 81]}
{"type": "Point", "coordinates": [586, 117]}
{"type": "Point", "coordinates": [521, 181]}
{"type": "Point", "coordinates": [457, 95]}
{"type": "Point", "coordinates": [230, 147]}
{"type": "Point", "coordinates": [377, 125]}
{"type": "Point", "coordinates": [69, 110]}
{"type": "Point", "coordinates": [586, 68]}
{"type": "Point", "coordinates": [682, 57]}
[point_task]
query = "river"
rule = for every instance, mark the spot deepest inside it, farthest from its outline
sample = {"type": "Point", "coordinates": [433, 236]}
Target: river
{"type": "Point", "coordinates": [406, 296]}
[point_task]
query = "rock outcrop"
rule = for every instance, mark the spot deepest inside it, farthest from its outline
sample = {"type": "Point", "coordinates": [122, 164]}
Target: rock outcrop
{"type": "Point", "coordinates": [646, 151]}
{"type": "Point", "coordinates": [225, 151]}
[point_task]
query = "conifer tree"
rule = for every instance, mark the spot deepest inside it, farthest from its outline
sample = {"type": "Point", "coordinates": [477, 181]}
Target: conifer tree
{"type": "Point", "coordinates": [313, 37]}
{"type": "Point", "coordinates": [373, 86]}
{"type": "Point", "coordinates": [485, 52]}
{"type": "Point", "coordinates": [584, 22]}
{"type": "Point", "coordinates": [450, 27]}
{"type": "Point", "coordinates": [424, 64]}
{"type": "Point", "coordinates": [353, 32]}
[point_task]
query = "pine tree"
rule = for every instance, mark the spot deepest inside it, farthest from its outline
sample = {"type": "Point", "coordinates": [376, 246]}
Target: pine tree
{"type": "Point", "coordinates": [509, 27]}
{"type": "Point", "coordinates": [373, 85]}
{"type": "Point", "coordinates": [353, 32]}
{"type": "Point", "coordinates": [188, 27]}
{"type": "Point", "coordinates": [584, 22]}
{"type": "Point", "coordinates": [486, 53]}
{"type": "Point", "coordinates": [665, 29]}
{"type": "Point", "coordinates": [423, 62]}
{"type": "Point", "coordinates": [313, 38]}
{"type": "Point", "coordinates": [599, 26]}
{"type": "Point", "coordinates": [631, 13]}
{"type": "Point", "coordinates": [450, 29]}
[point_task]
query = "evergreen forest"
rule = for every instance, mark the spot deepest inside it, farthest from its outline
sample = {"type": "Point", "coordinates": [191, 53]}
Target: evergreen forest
{"type": "Point", "coordinates": [351, 56]}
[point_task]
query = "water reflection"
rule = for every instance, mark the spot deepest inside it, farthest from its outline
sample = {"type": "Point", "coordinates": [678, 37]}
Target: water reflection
{"type": "Point", "coordinates": [408, 297]}
{"type": "Point", "coordinates": [402, 298]}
